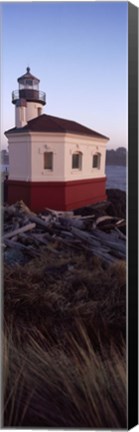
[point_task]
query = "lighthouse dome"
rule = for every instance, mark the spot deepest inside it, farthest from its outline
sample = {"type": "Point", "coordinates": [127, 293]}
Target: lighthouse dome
{"type": "Point", "coordinates": [28, 89]}
{"type": "Point", "coordinates": [28, 76]}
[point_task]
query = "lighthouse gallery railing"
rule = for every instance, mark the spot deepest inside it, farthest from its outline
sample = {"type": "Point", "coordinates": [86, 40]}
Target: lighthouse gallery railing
{"type": "Point", "coordinates": [29, 95]}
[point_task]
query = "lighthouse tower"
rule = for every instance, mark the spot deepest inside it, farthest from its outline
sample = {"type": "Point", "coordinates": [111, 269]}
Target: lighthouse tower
{"type": "Point", "coordinates": [28, 99]}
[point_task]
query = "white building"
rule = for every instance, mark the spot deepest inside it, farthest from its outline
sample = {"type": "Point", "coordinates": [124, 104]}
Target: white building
{"type": "Point", "coordinates": [53, 162]}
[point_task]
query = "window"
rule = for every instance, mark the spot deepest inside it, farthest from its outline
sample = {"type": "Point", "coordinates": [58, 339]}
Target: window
{"type": "Point", "coordinates": [96, 161]}
{"type": "Point", "coordinates": [29, 82]}
{"type": "Point", "coordinates": [48, 160]}
{"type": "Point", "coordinates": [77, 161]}
{"type": "Point", "coordinates": [39, 111]}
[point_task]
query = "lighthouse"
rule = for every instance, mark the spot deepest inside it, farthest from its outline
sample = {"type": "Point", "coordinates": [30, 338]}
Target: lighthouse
{"type": "Point", "coordinates": [28, 99]}
{"type": "Point", "coordinates": [53, 162]}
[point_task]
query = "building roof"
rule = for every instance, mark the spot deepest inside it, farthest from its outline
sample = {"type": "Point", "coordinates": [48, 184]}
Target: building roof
{"type": "Point", "coordinates": [47, 123]}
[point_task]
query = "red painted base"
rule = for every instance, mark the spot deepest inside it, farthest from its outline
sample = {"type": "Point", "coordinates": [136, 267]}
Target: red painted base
{"type": "Point", "coordinates": [57, 195]}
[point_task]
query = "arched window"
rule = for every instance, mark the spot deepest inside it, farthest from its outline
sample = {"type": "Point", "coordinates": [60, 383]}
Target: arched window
{"type": "Point", "coordinates": [96, 160]}
{"type": "Point", "coordinates": [77, 160]}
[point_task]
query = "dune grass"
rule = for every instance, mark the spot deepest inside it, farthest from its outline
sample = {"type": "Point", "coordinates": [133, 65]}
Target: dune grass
{"type": "Point", "coordinates": [64, 342]}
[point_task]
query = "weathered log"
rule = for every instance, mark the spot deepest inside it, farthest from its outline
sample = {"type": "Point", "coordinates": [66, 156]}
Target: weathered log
{"type": "Point", "coordinates": [71, 243]}
{"type": "Point", "coordinates": [121, 221]}
{"type": "Point", "coordinates": [58, 213]}
{"type": "Point", "coordinates": [38, 238]}
{"type": "Point", "coordinates": [113, 235]}
{"type": "Point", "coordinates": [105, 219]}
{"type": "Point", "coordinates": [101, 245]}
{"type": "Point", "coordinates": [19, 230]}
{"type": "Point", "coordinates": [40, 222]}
{"type": "Point", "coordinates": [104, 255]}
{"type": "Point", "coordinates": [89, 217]}
{"type": "Point", "coordinates": [69, 222]}
{"type": "Point", "coordinates": [16, 245]}
{"type": "Point", "coordinates": [26, 239]}
{"type": "Point", "coordinates": [84, 236]}
{"type": "Point", "coordinates": [118, 244]}
{"type": "Point", "coordinates": [67, 234]}
{"type": "Point", "coordinates": [107, 228]}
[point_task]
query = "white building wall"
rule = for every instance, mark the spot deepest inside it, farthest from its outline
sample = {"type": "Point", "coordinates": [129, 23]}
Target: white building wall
{"type": "Point", "coordinates": [19, 157]}
{"type": "Point", "coordinates": [23, 114]}
{"type": "Point", "coordinates": [63, 146]}
{"type": "Point", "coordinates": [88, 147]}
{"type": "Point", "coordinates": [26, 156]}
{"type": "Point", "coordinates": [20, 116]}
{"type": "Point", "coordinates": [32, 110]}
{"type": "Point", "coordinates": [47, 142]}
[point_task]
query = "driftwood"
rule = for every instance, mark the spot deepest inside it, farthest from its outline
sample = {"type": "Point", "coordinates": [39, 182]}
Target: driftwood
{"type": "Point", "coordinates": [89, 217]}
{"type": "Point", "coordinates": [99, 234]}
{"type": "Point", "coordinates": [38, 238]}
{"type": "Point", "coordinates": [15, 244]}
{"type": "Point", "coordinates": [104, 219]}
{"type": "Point", "coordinates": [85, 237]}
{"type": "Point", "coordinates": [19, 230]}
{"type": "Point", "coordinates": [58, 213]}
{"type": "Point", "coordinates": [112, 243]}
{"type": "Point", "coordinates": [19, 246]}
{"type": "Point", "coordinates": [102, 246]}
{"type": "Point", "coordinates": [119, 222]}
{"type": "Point", "coordinates": [121, 235]}
{"type": "Point", "coordinates": [75, 222]}
{"type": "Point", "coordinates": [39, 222]}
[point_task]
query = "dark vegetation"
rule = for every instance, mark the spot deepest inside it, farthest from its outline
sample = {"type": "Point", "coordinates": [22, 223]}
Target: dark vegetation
{"type": "Point", "coordinates": [115, 206]}
{"type": "Point", "coordinates": [4, 157]}
{"type": "Point", "coordinates": [117, 200]}
{"type": "Point", "coordinates": [65, 339]}
{"type": "Point", "coordinates": [116, 157]}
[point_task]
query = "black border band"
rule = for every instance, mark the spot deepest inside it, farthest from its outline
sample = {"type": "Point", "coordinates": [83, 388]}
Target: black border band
{"type": "Point", "coordinates": [132, 215]}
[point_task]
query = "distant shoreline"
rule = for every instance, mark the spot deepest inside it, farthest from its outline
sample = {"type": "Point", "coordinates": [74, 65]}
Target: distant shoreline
{"type": "Point", "coordinates": [115, 164]}
{"type": "Point", "coordinates": [116, 157]}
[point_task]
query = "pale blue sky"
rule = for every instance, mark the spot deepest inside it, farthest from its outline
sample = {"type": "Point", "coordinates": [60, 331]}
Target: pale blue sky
{"type": "Point", "coordinates": [79, 51]}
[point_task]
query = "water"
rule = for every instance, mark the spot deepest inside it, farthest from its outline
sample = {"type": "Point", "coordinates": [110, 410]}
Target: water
{"type": "Point", "coordinates": [116, 177]}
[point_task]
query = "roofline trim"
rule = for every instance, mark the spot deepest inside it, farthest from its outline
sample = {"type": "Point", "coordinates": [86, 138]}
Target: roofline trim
{"type": "Point", "coordinates": [28, 131]}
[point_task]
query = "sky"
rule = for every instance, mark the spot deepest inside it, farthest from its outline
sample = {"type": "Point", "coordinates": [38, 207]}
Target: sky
{"type": "Point", "coordinates": [79, 51]}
